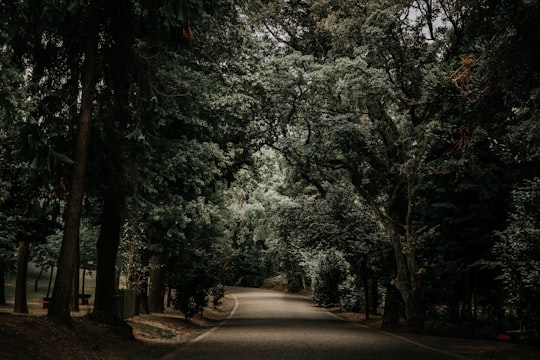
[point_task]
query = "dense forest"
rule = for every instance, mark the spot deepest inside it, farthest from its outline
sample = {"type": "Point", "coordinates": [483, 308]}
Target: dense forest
{"type": "Point", "coordinates": [382, 153]}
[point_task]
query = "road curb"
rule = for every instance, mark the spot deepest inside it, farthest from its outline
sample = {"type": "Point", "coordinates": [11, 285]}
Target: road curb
{"type": "Point", "coordinates": [175, 354]}
{"type": "Point", "coordinates": [231, 314]}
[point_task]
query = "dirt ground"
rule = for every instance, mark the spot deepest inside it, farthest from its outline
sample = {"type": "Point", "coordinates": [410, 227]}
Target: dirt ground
{"type": "Point", "coordinates": [31, 336]}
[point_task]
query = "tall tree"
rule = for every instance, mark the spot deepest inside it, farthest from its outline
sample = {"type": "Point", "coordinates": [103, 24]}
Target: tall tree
{"type": "Point", "coordinates": [115, 117]}
{"type": "Point", "coordinates": [161, 133]}
{"type": "Point", "coordinates": [68, 262]}
{"type": "Point", "coordinates": [360, 112]}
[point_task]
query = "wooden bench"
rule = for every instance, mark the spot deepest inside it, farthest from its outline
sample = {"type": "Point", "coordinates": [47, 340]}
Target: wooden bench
{"type": "Point", "coordinates": [84, 298]}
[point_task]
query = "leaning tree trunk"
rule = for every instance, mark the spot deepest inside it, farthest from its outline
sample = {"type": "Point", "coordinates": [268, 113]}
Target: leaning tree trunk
{"type": "Point", "coordinates": [60, 306]}
{"type": "Point", "coordinates": [107, 250]}
{"type": "Point", "coordinates": [21, 305]}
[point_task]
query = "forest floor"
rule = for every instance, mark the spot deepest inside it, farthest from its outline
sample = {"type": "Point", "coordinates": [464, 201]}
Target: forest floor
{"type": "Point", "coordinates": [32, 336]}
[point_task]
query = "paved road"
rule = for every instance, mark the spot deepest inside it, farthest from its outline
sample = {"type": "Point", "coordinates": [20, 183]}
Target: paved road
{"type": "Point", "coordinates": [271, 325]}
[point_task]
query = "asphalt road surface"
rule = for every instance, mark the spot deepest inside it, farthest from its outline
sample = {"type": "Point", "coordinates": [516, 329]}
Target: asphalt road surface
{"type": "Point", "coordinates": [271, 325]}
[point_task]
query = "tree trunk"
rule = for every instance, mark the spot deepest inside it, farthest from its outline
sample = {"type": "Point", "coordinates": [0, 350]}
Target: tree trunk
{"type": "Point", "coordinates": [2, 285]}
{"type": "Point", "coordinates": [466, 311]}
{"type": "Point", "coordinates": [392, 303]}
{"type": "Point", "coordinates": [397, 223]}
{"type": "Point", "coordinates": [83, 290]}
{"type": "Point", "coordinates": [107, 250]}
{"type": "Point", "coordinates": [74, 306]}
{"type": "Point", "coordinates": [143, 288]}
{"type": "Point", "coordinates": [142, 299]}
{"type": "Point", "coordinates": [117, 56]}
{"type": "Point", "coordinates": [304, 284]}
{"type": "Point", "coordinates": [60, 306]}
{"type": "Point", "coordinates": [50, 281]}
{"type": "Point", "coordinates": [365, 282]}
{"type": "Point", "coordinates": [36, 283]}
{"type": "Point", "coordinates": [156, 290]}
{"type": "Point", "coordinates": [409, 284]}
{"type": "Point", "coordinates": [374, 295]}
{"type": "Point", "coordinates": [21, 305]}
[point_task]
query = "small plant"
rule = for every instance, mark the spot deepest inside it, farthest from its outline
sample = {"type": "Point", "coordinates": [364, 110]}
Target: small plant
{"type": "Point", "coordinates": [191, 303]}
{"type": "Point", "coordinates": [218, 293]}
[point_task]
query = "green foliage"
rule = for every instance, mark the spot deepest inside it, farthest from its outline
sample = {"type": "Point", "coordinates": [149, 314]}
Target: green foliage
{"type": "Point", "coordinates": [131, 251]}
{"type": "Point", "coordinates": [518, 254]}
{"type": "Point", "coordinates": [192, 291]}
{"type": "Point", "coordinates": [328, 271]}
{"type": "Point", "coordinates": [218, 293]}
{"type": "Point", "coordinates": [350, 296]}
{"type": "Point", "coordinates": [193, 276]}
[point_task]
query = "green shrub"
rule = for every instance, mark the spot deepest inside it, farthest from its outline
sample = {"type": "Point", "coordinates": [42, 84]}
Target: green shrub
{"type": "Point", "coordinates": [294, 284]}
{"type": "Point", "coordinates": [190, 302]}
{"type": "Point", "coordinates": [218, 293]}
{"type": "Point", "coordinates": [330, 271]}
{"type": "Point", "coordinates": [350, 296]}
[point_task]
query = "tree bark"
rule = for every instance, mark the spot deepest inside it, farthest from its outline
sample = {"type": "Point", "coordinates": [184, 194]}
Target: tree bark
{"type": "Point", "coordinates": [107, 251]}
{"type": "Point", "coordinates": [117, 56]}
{"type": "Point", "coordinates": [36, 282]}
{"type": "Point", "coordinates": [21, 305]}
{"type": "Point", "coordinates": [2, 285]}
{"type": "Point", "coordinates": [156, 290]}
{"type": "Point", "coordinates": [365, 282]}
{"type": "Point", "coordinates": [374, 295]}
{"type": "Point", "coordinates": [60, 306]}
{"type": "Point", "coordinates": [409, 283]}
{"type": "Point", "coordinates": [74, 306]}
{"type": "Point", "coordinates": [391, 307]}
{"type": "Point", "coordinates": [50, 281]}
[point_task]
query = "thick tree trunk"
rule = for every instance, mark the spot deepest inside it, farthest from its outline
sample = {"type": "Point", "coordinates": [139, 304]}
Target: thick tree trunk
{"type": "Point", "coordinates": [21, 305]}
{"type": "Point", "coordinates": [60, 306]}
{"type": "Point", "coordinates": [409, 284]}
{"type": "Point", "coordinates": [117, 56]}
{"type": "Point", "coordinates": [107, 250]}
{"type": "Point", "coordinates": [156, 289]}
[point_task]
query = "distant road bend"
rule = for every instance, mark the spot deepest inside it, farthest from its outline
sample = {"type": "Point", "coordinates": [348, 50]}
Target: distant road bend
{"type": "Point", "coordinates": [272, 325]}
